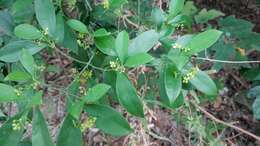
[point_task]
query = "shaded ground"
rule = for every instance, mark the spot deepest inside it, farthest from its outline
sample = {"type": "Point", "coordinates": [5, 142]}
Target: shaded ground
{"type": "Point", "coordinates": [243, 9]}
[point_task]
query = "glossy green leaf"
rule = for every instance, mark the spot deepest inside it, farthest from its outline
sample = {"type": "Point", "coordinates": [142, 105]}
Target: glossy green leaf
{"type": "Point", "coordinates": [70, 40]}
{"type": "Point", "coordinates": [109, 120]}
{"type": "Point", "coordinates": [176, 7]}
{"type": "Point", "coordinates": [127, 96]}
{"type": "Point", "coordinates": [115, 4]}
{"type": "Point", "coordinates": [40, 132]}
{"type": "Point", "coordinates": [96, 92]}
{"type": "Point", "coordinates": [101, 33]}
{"type": "Point", "coordinates": [189, 9]}
{"type": "Point", "coordinates": [77, 25]}
{"type": "Point", "coordinates": [8, 136]}
{"type": "Point", "coordinates": [6, 23]}
{"type": "Point", "coordinates": [12, 51]}
{"type": "Point", "coordinates": [204, 15]}
{"type": "Point", "coordinates": [173, 84]}
{"type": "Point", "coordinates": [179, 101]}
{"type": "Point", "coordinates": [45, 14]}
{"type": "Point", "coordinates": [27, 61]}
{"type": "Point", "coordinates": [22, 11]}
{"type": "Point", "coordinates": [204, 83]}
{"type": "Point", "coordinates": [69, 134]}
{"type": "Point", "coordinates": [76, 108]}
{"type": "Point", "coordinates": [59, 34]}
{"type": "Point", "coordinates": [27, 31]}
{"type": "Point", "coordinates": [121, 46]}
{"type": "Point", "coordinates": [204, 40]}
{"type": "Point", "coordinates": [9, 93]}
{"type": "Point", "coordinates": [106, 45]}
{"type": "Point", "coordinates": [256, 108]}
{"type": "Point", "coordinates": [37, 98]}
{"type": "Point", "coordinates": [18, 76]}
{"type": "Point", "coordinates": [157, 16]}
{"type": "Point", "coordinates": [143, 42]}
{"type": "Point", "coordinates": [138, 59]}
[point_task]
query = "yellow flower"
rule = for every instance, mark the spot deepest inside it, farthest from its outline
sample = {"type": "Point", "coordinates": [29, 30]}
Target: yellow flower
{"type": "Point", "coordinates": [106, 4]}
{"type": "Point", "coordinates": [191, 74]}
{"type": "Point", "coordinates": [89, 123]}
{"type": "Point", "coordinates": [17, 124]}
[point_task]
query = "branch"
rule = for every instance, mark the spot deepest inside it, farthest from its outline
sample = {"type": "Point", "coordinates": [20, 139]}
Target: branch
{"type": "Point", "coordinates": [226, 61]}
{"type": "Point", "coordinates": [79, 61]}
{"type": "Point", "coordinates": [224, 123]}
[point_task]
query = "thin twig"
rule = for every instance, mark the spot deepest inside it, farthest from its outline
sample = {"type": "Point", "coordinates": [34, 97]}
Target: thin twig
{"type": "Point", "coordinates": [159, 137]}
{"type": "Point", "coordinates": [225, 123]}
{"type": "Point", "coordinates": [79, 61]}
{"type": "Point", "coordinates": [226, 61]}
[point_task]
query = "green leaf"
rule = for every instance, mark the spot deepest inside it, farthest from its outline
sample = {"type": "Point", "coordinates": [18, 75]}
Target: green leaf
{"type": "Point", "coordinates": [138, 59]}
{"type": "Point", "coordinates": [172, 81]}
{"type": "Point", "coordinates": [45, 14]}
{"type": "Point", "coordinates": [189, 9]}
{"type": "Point", "coordinates": [242, 30]}
{"type": "Point", "coordinates": [69, 134]}
{"type": "Point", "coordinates": [106, 45]}
{"type": "Point", "coordinates": [256, 108]}
{"type": "Point", "coordinates": [18, 76]}
{"type": "Point", "coordinates": [115, 4]}
{"type": "Point", "coordinates": [37, 98]}
{"type": "Point", "coordinates": [178, 102]}
{"type": "Point", "coordinates": [109, 120]}
{"type": "Point", "coordinates": [59, 34]}
{"type": "Point", "coordinates": [27, 31]}
{"type": "Point", "coordinates": [127, 96]}
{"type": "Point", "coordinates": [157, 16]}
{"type": "Point", "coordinates": [22, 11]}
{"type": "Point", "coordinates": [75, 109]}
{"type": "Point", "coordinates": [176, 56]}
{"type": "Point", "coordinates": [96, 92]}
{"type": "Point", "coordinates": [204, 83]}
{"type": "Point", "coordinates": [203, 40]}
{"type": "Point", "coordinates": [6, 23]}
{"type": "Point", "coordinates": [8, 94]}
{"type": "Point", "coordinates": [40, 132]}
{"type": "Point", "coordinates": [77, 25]}
{"type": "Point", "coordinates": [70, 40]}
{"type": "Point", "coordinates": [121, 45]}
{"type": "Point", "coordinates": [204, 15]}
{"type": "Point", "coordinates": [101, 33]}
{"type": "Point", "coordinates": [12, 51]}
{"type": "Point", "coordinates": [28, 62]}
{"type": "Point", "coordinates": [143, 42]}
{"type": "Point", "coordinates": [176, 7]}
{"type": "Point", "coordinates": [8, 136]}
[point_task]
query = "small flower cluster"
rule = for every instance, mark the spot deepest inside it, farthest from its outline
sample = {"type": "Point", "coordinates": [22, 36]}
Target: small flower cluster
{"type": "Point", "coordinates": [18, 91]}
{"type": "Point", "coordinates": [106, 4]}
{"type": "Point", "coordinates": [46, 31]}
{"type": "Point", "coordinates": [178, 46]}
{"type": "Point", "coordinates": [17, 125]}
{"type": "Point", "coordinates": [89, 123]}
{"type": "Point", "coordinates": [87, 74]}
{"type": "Point", "coordinates": [41, 68]}
{"type": "Point", "coordinates": [115, 65]}
{"type": "Point", "coordinates": [180, 26]}
{"type": "Point", "coordinates": [85, 40]}
{"type": "Point", "coordinates": [190, 75]}
{"type": "Point", "coordinates": [74, 71]}
{"type": "Point", "coordinates": [36, 85]}
{"type": "Point", "coordinates": [82, 90]}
